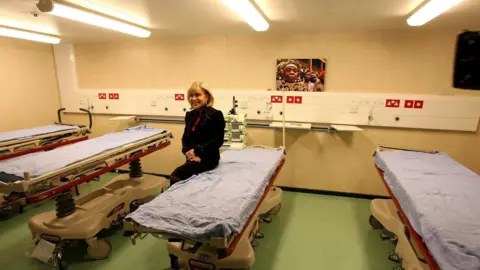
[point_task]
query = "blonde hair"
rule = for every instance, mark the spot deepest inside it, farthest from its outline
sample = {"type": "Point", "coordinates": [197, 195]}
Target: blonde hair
{"type": "Point", "coordinates": [196, 86]}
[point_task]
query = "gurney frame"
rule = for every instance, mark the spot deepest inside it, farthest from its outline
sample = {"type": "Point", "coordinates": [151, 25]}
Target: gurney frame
{"type": "Point", "coordinates": [20, 147]}
{"type": "Point", "coordinates": [388, 216]}
{"type": "Point", "coordinates": [224, 246]}
{"type": "Point", "coordinates": [29, 190]}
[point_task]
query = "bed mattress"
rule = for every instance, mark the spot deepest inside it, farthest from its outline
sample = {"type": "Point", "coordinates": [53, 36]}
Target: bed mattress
{"type": "Point", "coordinates": [441, 199]}
{"type": "Point", "coordinates": [216, 203]}
{"type": "Point", "coordinates": [32, 132]}
{"type": "Point", "coordinates": [41, 163]}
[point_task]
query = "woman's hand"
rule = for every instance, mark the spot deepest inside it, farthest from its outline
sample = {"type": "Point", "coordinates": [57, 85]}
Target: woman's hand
{"type": "Point", "coordinates": [190, 154]}
{"type": "Point", "coordinates": [192, 157]}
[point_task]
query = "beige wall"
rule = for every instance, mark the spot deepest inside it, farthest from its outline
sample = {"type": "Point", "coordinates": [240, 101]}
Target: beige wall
{"type": "Point", "coordinates": [396, 62]}
{"type": "Point", "coordinates": [28, 85]}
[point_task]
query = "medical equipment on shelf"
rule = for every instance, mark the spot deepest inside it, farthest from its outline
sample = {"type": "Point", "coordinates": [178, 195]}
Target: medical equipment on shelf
{"type": "Point", "coordinates": [233, 110]}
{"type": "Point", "coordinates": [212, 219]}
{"type": "Point", "coordinates": [84, 218]}
{"type": "Point", "coordinates": [235, 132]}
{"type": "Point", "coordinates": [38, 176]}
{"type": "Point", "coordinates": [21, 142]}
{"type": "Point", "coordinates": [433, 214]}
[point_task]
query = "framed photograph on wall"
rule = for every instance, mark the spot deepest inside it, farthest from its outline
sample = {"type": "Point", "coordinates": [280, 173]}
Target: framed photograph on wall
{"type": "Point", "coordinates": [301, 74]}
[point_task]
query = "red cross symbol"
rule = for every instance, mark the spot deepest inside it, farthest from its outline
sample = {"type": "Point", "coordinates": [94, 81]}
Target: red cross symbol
{"type": "Point", "coordinates": [409, 103]}
{"type": "Point", "coordinates": [418, 104]}
{"type": "Point", "coordinates": [179, 96]}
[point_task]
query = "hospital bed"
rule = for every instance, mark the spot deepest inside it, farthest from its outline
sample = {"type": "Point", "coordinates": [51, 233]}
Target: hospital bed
{"type": "Point", "coordinates": [21, 142]}
{"type": "Point", "coordinates": [85, 218]}
{"type": "Point", "coordinates": [38, 176]}
{"type": "Point", "coordinates": [212, 219]}
{"type": "Point", "coordinates": [434, 213]}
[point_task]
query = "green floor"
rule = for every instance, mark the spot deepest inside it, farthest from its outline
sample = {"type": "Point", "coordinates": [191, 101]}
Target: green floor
{"type": "Point", "coordinates": [310, 232]}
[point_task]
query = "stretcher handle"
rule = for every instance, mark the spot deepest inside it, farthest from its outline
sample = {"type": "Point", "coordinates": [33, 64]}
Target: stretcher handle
{"type": "Point", "coordinates": [89, 116]}
{"type": "Point", "coordinates": [59, 114]}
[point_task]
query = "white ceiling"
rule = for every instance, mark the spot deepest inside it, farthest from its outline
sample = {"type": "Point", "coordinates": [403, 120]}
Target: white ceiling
{"type": "Point", "coordinates": [212, 17]}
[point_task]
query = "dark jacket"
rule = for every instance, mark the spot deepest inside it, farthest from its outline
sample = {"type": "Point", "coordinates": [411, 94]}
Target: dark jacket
{"type": "Point", "coordinates": [207, 137]}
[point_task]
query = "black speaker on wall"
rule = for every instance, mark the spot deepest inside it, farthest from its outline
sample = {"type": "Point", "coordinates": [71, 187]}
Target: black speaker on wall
{"type": "Point", "coordinates": [467, 61]}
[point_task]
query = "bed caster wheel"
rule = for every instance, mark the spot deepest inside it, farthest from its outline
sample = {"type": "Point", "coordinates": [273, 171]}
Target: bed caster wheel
{"type": "Point", "coordinates": [134, 205]}
{"type": "Point", "coordinates": [119, 221]}
{"type": "Point", "coordinates": [394, 257]}
{"type": "Point", "coordinates": [387, 235]}
{"type": "Point", "coordinates": [255, 243]}
{"type": "Point", "coordinates": [175, 265]}
{"type": "Point", "coordinates": [259, 235]}
{"type": "Point", "coordinates": [267, 220]}
{"type": "Point", "coordinates": [61, 262]}
{"type": "Point", "coordinates": [21, 209]}
{"type": "Point", "coordinates": [375, 223]}
{"type": "Point", "coordinates": [100, 250]}
{"type": "Point", "coordinates": [275, 209]}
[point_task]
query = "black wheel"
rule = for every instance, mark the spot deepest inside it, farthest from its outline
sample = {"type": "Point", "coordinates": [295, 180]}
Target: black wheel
{"type": "Point", "coordinates": [394, 257]}
{"type": "Point", "coordinates": [375, 223]}
{"type": "Point", "coordinates": [61, 262]}
{"type": "Point", "coordinates": [259, 235]}
{"type": "Point", "coordinates": [135, 204]}
{"type": "Point", "coordinates": [388, 235]}
{"type": "Point", "coordinates": [267, 220]}
{"type": "Point", "coordinates": [174, 262]}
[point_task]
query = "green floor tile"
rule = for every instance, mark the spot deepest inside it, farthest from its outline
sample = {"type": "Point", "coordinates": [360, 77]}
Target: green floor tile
{"type": "Point", "coordinates": [310, 232]}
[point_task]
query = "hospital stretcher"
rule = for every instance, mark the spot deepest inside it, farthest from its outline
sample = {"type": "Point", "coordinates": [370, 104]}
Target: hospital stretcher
{"type": "Point", "coordinates": [85, 218]}
{"type": "Point", "coordinates": [233, 251]}
{"type": "Point", "coordinates": [391, 215]}
{"type": "Point", "coordinates": [22, 142]}
{"type": "Point", "coordinates": [30, 190]}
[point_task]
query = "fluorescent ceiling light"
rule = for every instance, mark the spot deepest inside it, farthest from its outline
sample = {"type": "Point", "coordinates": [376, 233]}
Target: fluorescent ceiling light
{"type": "Point", "coordinates": [79, 15]}
{"type": "Point", "coordinates": [88, 4]}
{"type": "Point", "coordinates": [10, 32]}
{"type": "Point", "coordinates": [249, 13]}
{"type": "Point", "coordinates": [431, 10]}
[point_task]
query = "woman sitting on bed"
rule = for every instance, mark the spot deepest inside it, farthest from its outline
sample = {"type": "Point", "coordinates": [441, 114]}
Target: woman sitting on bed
{"type": "Point", "coordinates": [203, 134]}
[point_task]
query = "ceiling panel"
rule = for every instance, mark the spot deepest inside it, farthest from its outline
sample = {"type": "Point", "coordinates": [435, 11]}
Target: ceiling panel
{"type": "Point", "coordinates": [187, 17]}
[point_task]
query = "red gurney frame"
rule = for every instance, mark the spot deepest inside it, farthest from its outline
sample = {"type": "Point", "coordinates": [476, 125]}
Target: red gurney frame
{"type": "Point", "coordinates": [430, 260]}
{"type": "Point", "coordinates": [41, 148]}
{"type": "Point", "coordinates": [57, 190]}
{"type": "Point", "coordinates": [237, 238]}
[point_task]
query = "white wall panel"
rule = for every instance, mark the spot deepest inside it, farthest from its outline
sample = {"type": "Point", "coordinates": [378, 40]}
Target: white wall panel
{"type": "Point", "coordinates": [437, 112]}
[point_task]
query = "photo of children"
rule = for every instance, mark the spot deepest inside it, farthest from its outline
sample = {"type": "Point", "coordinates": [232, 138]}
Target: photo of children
{"type": "Point", "coordinates": [301, 75]}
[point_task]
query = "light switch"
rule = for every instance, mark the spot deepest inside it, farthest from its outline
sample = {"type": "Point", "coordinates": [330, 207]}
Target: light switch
{"type": "Point", "coordinates": [242, 104]}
